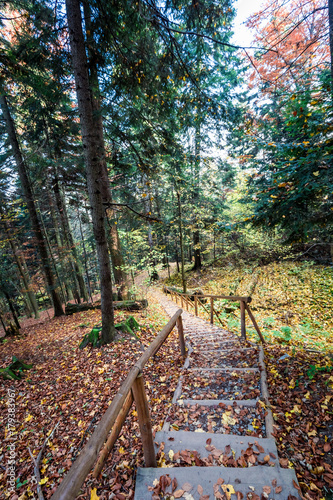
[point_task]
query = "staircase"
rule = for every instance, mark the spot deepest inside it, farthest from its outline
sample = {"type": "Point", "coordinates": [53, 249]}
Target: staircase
{"type": "Point", "coordinates": [213, 443]}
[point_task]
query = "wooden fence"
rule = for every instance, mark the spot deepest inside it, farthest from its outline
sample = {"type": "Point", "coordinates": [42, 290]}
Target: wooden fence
{"type": "Point", "coordinates": [113, 419]}
{"type": "Point", "coordinates": [195, 301]}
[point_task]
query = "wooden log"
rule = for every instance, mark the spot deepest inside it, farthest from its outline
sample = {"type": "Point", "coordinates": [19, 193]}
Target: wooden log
{"type": "Point", "coordinates": [128, 305]}
{"type": "Point", "coordinates": [181, 336]}
{"type": "Point", "coordinates": [211, 311]}
{"type": "Point", "coordinates": [269, 421]}
{"type": "Point", "coordinates": [242, 312]}
{"type": "Point", "coordinates": [114, 435]}
{"type": "Point", "coordinates": [140, 398]}
{"type": "Point", "coordinates": [71, 484]}
{"type": "Point", "coordinates": [196, 305]}
{"type": "Point", "coordinates": [255, 324]}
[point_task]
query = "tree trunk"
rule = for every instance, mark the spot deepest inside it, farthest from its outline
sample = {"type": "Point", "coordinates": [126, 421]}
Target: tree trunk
{"type": "Point", "coordinates": [27, 191]}
{"type": "Point", "coordinates": [93, 146]}
{"type": "Point", "coordinates": [62, 257]}
{"type": "Point", "coordinates": [19, 259]}
{"type": "Point", "coordinates": [195, 200]}
{"type": "Point", "coordinates": [181, 241]}
{"type": "Point", "coordinates": [25, 277]}
{"type": "Point", "coordinates": [11, 307]}
{"type": "Point", "coordinates": [330, 22]}
{"type": "Point", "coordinates": [47, 239]}
{"type": "Point", "coordinates": [117, 260]}
{"type": "Point", "coordinates": [68, 236]}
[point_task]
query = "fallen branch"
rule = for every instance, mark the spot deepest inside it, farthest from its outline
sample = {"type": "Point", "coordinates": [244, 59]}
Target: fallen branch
{"type": "Point", "coordinates": [36, 463]}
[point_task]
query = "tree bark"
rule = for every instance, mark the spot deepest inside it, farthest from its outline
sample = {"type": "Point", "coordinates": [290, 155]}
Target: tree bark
{"type": "Point", "coordinates": [69, 240]}
{"type": "Point", "coordinates": [27, 191]}
{"type": "Point", "coordinates": [73, 257]}
{"type": "Point", "coordinates": [181, 241]}
{"type": "Point", "coordinates": [93, 146]}
{"type": "Point", "coordinates": [117, 260]}
{"type": "Point", "coordinates": [25, 277]}
{"type": "Point", "coordinates": [20, 262]}
{"type": "Point", "coordinates": [330, 22]}
{"type": "Point", "coordinates": [195, 200]}
{"type": "Point", "coordinates": [11, 307]}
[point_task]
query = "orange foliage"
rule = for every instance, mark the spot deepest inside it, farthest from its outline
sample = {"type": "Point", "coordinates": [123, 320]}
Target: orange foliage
{"type": "Point", "coordinates": [296, 32]}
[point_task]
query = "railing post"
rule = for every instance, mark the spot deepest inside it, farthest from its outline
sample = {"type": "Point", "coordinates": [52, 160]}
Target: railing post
{"type": "Point", "coordinates": [242, 313]}
{"type": "Point", "coordinates": [211, 311]}
{"type": "Point", "coordinates": [186, 303]}
{"type": "Point", "coordinates": [181, 302]}
{"type": "Point", "coordinates": [181, 335]}
{"type": "Point", "coordinates": [196, 305]}
{"type": "Point", "coordinates": [255, 324]}
{"type": "Point", "coordinates": [141, 403]}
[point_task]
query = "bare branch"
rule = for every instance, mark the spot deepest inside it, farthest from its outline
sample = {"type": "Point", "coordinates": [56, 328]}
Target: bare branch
{"type": "Point", "coordinates": [36, 463]}
{"type": "Point", "coordinates": [143, 216]}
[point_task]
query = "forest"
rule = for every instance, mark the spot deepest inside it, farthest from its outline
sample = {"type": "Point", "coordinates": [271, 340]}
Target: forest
{"type": "Point", "coordinates": [139, 145]}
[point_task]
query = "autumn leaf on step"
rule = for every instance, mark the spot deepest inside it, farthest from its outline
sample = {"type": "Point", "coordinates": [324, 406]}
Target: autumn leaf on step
{"type": "Point", "coordinates": [266, 491]}
{"type": "Point", "coordinates": [200, 489]}
{"type": "Point", "coordinates": [187, 487]}
{"type": "Point", "coordinates": [174, 484]}
{"type": "Point", "coordinates": [228, 490]}
{"type": "Point", "coordinates": [284, 462]}
{"type": "Point", "coordinates": [259, 447]}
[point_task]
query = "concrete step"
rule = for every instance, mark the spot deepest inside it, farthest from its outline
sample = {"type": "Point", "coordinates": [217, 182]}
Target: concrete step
{"type": "Point", "coordinates": [241, 420]}
{"type": "Point", "coordinates": [218, 386]}
{"type": "Point", "coordinates": [252, 483]}
{"type": "Point", "coordinates": [219, 449]}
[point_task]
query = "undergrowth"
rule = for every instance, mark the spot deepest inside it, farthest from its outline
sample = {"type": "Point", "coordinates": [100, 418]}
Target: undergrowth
{"type": "Point", "coordinates": [292, 302]}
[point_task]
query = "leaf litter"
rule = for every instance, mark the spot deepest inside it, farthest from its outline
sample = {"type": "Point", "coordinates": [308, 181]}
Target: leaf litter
{"type": "Point", "coordinates": [73, 388]}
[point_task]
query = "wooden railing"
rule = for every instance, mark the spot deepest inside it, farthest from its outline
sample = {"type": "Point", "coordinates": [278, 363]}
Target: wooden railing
{"type": "Point", "coordinates": [197, 300]}
{"type": "Point", "coordinates": [131, 390]}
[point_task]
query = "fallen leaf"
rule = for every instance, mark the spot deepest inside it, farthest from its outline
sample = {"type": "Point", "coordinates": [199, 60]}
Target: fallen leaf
{"type": "Point", "coordinates": [228, 490]}
{"type": "Point", "coordinates": [93, 494]}
{"type": "Point", "coordinates": [187, 487]}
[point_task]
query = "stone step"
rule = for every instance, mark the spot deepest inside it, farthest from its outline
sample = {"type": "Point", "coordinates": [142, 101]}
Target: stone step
{"type": "Point", "coordinates": [219, 447]}
{"type": "Point", "coordinates": [218, 385]}
{"type": "Point", "coordinates": [241, 420]}
{"type": "Point", "coordinates": [215, 402]}
{"type": "Point", "coordinates": [254, 482]}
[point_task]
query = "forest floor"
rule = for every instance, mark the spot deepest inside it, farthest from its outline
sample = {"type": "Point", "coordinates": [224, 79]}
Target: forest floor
{"type": "Point", "coordinates": [73, 388]}
{"type": "Point", "coordinates": [293, 304]}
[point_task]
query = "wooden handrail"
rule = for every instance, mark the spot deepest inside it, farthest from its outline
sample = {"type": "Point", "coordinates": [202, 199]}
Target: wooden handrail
{"type": "Point", "coordinates": [233, 298]}
{"type": "Point", "coordinates": [243, 303]}
{"type": "Point", "coordinates": [71, 484]}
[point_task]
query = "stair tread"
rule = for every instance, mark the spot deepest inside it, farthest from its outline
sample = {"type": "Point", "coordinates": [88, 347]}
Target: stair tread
{"type": "Point", "coordinates": [197, 441]}
{"type": "Point", "coordinates": [216, 402]}
{"type": "Point", "coordinates": [248, 480]}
